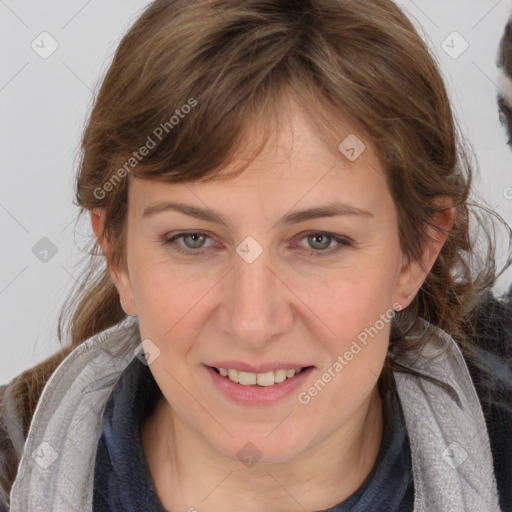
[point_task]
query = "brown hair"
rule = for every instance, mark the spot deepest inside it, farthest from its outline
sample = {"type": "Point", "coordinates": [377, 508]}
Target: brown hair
{"type": "Point", "coordinates": [237, 60]}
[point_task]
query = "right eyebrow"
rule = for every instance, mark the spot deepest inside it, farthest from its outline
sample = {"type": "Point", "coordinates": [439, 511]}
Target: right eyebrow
{"type": "Point", "coordinates": [329, 210]}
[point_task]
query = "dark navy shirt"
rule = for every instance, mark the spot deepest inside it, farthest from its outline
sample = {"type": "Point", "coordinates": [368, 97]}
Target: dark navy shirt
{"type": "Point", "coordinates": [122, 482]}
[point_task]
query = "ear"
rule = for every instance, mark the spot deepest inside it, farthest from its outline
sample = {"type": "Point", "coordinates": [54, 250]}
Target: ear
{"type": "Point", "coordinates": [414, 272]}
{"type": "Point", "coordinates": [119, 277]}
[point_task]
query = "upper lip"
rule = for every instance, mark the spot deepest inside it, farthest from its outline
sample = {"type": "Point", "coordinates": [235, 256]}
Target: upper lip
{"type": "Point", "coordinates": [260, 368]}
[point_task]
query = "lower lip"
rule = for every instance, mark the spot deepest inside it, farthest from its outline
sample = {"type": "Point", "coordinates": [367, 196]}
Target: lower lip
{"type": "Point", "coordinates": [258, 395]}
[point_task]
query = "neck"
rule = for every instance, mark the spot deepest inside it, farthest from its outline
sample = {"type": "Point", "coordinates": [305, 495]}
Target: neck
{"type": "Point", "coordinates": [188, 473]}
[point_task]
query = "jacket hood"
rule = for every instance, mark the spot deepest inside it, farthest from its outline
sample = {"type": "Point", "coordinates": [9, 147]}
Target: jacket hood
{"type": "Point", "coordinates": [450, 450]}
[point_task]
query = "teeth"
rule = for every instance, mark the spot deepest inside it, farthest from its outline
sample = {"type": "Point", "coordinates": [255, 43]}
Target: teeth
{"type": "Point", "coordinates": [261, 379]}
{"type": "Point", "coordinates": [279, 375]}
{"type": "Point", "coordinates": [265, 379]}
{"type": "Point", "coordinates": [246, 378]}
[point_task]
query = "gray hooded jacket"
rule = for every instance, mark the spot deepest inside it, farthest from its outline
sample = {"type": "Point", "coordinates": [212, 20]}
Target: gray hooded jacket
{"type": "Point", "coordinates": [451, 457]}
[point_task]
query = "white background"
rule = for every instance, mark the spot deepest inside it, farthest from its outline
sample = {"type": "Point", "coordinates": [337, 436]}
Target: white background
{"type": "Point", "coordinates": [43, 109]}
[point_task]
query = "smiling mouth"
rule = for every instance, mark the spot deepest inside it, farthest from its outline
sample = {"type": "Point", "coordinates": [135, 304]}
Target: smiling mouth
{"type": "Point", "coordinates": [264, 379]}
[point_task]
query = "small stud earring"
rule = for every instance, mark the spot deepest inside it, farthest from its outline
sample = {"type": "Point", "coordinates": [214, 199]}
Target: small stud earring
{"type": "Point", "coordinates": [123, 301]}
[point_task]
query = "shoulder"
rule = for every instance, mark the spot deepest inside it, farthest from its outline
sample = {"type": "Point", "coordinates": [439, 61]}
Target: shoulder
{"type": "Point", "coordinates": [18, 400]}
{"type": "Point", "coordinates": [493, 325]}
{"type": "Point", "coordinates": [493, 383]}
{"type": "Point", "coordinates": [10, 434]}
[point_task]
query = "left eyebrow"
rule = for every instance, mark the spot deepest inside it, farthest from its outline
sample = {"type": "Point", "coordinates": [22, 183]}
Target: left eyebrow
{"type": "Point", "coordinates": [330, 210]}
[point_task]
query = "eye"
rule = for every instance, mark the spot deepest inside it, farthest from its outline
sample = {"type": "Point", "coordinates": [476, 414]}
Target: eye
{"type": "Point", "coordinates": [321, 241]}
{"type": "Point", "coordinates": [194, 242]}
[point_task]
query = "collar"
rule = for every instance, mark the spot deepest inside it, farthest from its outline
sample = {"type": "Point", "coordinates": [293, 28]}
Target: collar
{"type": "Point", "coordinates": [121, 475]}
{"type": "Point", "coordinates": [451, 458]}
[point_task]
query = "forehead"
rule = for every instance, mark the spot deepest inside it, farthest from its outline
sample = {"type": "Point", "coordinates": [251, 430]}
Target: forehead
{"type": "Point", "coordinates": [302, 160]}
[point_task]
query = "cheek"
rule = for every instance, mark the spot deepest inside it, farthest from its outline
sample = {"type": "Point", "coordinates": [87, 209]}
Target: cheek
{"type": "Point", "coordinates": [358, 310]}
{"type": "Point", "coordinates": [361, 322]}
{"type": "Point", "coordinates": [170, 316]}
{"type": "Point", "coordinates": [354, 355]}
{"type": "Point", "coordinates": [355, 300]}
{"type": "Point", "coordinates": [167, 300]}
{"type": "Point", "coordinates": [348, 299]}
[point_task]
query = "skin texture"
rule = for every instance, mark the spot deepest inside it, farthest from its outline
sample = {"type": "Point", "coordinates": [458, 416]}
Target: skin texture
{"type": "Point", "coordinates": [288, 305]}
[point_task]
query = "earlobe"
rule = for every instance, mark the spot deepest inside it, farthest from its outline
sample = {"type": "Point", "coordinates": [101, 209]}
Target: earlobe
{"type": "Point", "coordinates": [409, 280]}
{"type": "Point", "coordinates": [123, 285]}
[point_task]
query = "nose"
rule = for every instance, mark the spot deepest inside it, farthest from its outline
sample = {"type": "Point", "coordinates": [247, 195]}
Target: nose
{"type": "Point", "coordinates": [256, 306]}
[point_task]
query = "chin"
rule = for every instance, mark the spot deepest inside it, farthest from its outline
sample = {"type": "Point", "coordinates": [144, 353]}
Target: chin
{"type": "Point", "coordinates": [261, 447]}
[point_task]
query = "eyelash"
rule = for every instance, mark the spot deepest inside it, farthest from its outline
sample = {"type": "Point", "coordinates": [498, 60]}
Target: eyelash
{"type": "Point", "coordinates": [342, 241]}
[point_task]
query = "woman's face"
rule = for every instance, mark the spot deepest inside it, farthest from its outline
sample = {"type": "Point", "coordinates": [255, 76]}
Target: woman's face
{"type": "Point", "coordinates": [264, 287]}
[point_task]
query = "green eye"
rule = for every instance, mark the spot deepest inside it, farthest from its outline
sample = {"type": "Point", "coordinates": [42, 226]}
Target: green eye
{"type": "Point", "coordinates": [196, 248]}
{"type": "Point", "coordinates": [193, 242]}
{"type": "Point", "coordinates": [321, 241]}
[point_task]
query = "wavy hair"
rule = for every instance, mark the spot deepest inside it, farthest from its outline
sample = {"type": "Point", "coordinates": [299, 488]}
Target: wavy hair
{"type": "Point", "coordinates": [360, 60]}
